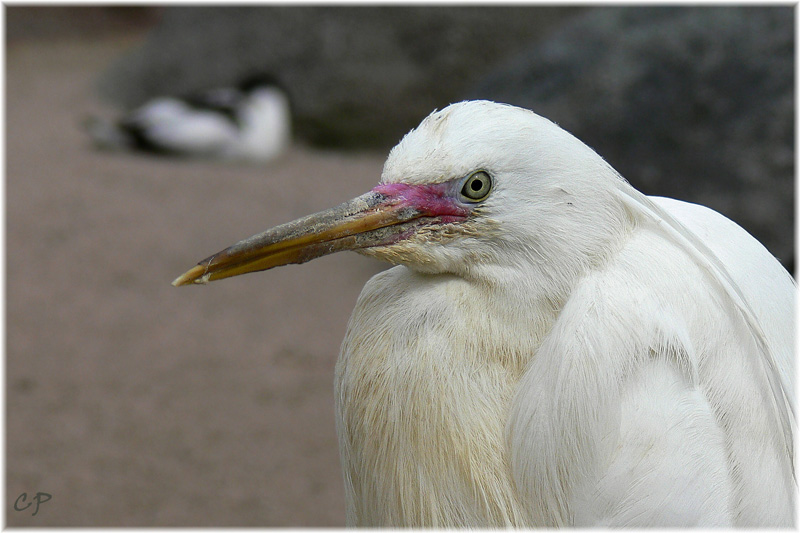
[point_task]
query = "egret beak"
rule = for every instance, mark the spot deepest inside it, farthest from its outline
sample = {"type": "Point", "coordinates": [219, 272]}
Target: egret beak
{"type": "Point", "coordinates": [382, 216]}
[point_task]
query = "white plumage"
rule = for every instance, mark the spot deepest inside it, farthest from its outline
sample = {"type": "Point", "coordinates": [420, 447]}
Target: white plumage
{"type": "Point", "coordinates": [251, 122]}
{"type": "Point", "coordinates": [560, 350]}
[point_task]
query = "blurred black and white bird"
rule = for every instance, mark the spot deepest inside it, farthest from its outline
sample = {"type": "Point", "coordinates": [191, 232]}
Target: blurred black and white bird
{"type": "Point", "coordinates": [251, 121]}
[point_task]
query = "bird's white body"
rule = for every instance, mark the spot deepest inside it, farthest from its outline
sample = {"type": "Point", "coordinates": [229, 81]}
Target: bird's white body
{"type": "Point", "coordinates": [254, 126]}
{"type": "Point", "coordinates": [578, 354]}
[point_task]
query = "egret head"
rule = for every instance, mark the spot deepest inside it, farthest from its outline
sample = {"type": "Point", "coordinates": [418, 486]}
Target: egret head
{"type": "Point", "coordinates": [478, 187]}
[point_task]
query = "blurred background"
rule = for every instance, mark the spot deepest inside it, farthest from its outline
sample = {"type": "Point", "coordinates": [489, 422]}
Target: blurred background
{"type": "Point", "coordinates": [132, 403]}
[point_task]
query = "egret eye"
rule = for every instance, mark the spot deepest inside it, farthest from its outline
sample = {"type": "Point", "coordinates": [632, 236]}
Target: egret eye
{"type": "Point", "coordinates": [477, 186]}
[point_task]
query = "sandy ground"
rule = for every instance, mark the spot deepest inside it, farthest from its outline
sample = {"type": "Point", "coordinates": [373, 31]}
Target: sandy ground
{"type": "Point", "coordinates": [134, 403]}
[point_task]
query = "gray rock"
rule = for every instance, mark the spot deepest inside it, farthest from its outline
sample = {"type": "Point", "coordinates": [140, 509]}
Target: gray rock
{"type": "Point", "coordinates": [357, 75]}
{"type": "Point", "coordinates": [696, 103]}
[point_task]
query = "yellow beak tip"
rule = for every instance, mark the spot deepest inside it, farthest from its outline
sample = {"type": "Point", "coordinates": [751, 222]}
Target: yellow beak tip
{"type": "Point", "coordinates": [195, 275]}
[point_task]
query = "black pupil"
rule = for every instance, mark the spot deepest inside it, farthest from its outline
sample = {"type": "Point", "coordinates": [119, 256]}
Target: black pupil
{"type": "Point", "coordinates": [476, 185]}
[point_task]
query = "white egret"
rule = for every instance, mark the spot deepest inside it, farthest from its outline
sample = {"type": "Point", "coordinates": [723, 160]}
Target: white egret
{"type": "Point", "coordinates": [249, 122]}
{"type": "Point", "coordinates": [554, 348]}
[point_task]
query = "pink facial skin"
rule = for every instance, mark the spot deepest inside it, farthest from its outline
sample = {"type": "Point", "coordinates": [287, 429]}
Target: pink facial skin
{"type": "Point", "coordinates": [433, 200]}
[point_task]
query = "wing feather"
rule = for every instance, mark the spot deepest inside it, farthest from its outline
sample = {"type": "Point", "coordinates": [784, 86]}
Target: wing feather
{"type": "Point", "coordinates": [645, 208]}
